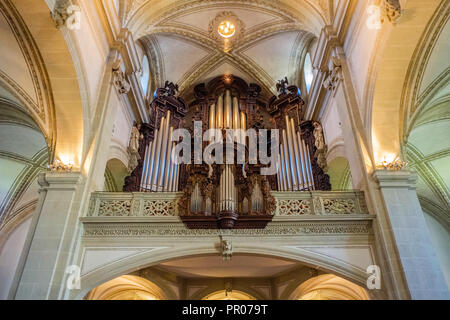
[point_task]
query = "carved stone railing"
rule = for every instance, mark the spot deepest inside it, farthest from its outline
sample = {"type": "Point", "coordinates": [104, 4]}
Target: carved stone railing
{"type": "Point", "coordinates": [320, 203]}
{"type": "Point", "coordinates": [133, 204]}
{"type": "Point", "coordinates": [289, 204]}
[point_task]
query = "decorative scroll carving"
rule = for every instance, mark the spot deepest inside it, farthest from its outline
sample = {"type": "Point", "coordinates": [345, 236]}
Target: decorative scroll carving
{"type": "Point", "coordinates": [94, 230]}
{"type": "Point", "coordinates": [339, 206]}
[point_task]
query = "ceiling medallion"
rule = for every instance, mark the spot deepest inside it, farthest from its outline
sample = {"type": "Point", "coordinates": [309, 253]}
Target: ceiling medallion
{"type": "Point", "coordinates": [226, 29]}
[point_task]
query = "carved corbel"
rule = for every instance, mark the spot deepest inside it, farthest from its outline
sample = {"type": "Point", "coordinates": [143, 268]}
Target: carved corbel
{"type": "Point", "coordinates": [65, 13]}
{"type": "Point", "coordinates": [333, 75]}
{"type": "Point", "coordinates": [227, 249]}
{"type": "Point", "coordinates": [392, 10]}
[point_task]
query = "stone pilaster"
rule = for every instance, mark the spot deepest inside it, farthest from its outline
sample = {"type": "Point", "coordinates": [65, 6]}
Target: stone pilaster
{"type": "Point", "coordinates": [420, 264]}
{"type": "Point", "coordinates": [53, 224]}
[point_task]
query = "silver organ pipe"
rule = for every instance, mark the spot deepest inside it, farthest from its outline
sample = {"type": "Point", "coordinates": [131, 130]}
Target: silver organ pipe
{"type": "Point", "coordinates": [225, 114]}
{"type": "Point", "coordinates": [298, 164]}
{"type": "Point", "coordinates": [212, 116]}
{"type": "Point", "coordinates": [294, 171]}
{"type": "Point", "coordinates": [157, 156]}
{"type": "Point", "coordinates": [292, 159]}
{"type": "Point", "coordinates": [151, 166]}
{"type": "Point", "coordinates": [168, 163]}
{"type": "Point", "coordinates": [163, 157]}
{"type": "Point", "coordinates": [219, 117]}
{"type": "Point", "coordinates": [160, 173]}
{"type": "Point", "coordinates": [287, 166]}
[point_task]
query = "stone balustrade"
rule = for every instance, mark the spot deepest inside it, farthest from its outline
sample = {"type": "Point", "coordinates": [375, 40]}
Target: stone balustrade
{"type": "Point", "coordinates": [289, 204]}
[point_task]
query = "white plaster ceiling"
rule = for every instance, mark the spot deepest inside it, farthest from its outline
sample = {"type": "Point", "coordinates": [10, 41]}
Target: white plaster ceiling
{"type": "Point", "coordinates": [439, 60]}
{"type": "Point", "coordinates": [240, 266]}
{"type": "Point", "coordinates": [266, 51]}
{"type": "Point", "coordinates": [22, 148]}
{"type": "Point", "coordinates": [428, 144]}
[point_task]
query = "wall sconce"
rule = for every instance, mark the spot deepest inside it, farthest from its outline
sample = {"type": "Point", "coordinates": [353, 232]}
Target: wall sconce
{"type": "Point", "coordinates": [395, 165]}
{"type": "Point", "coordinates": [58, 166]}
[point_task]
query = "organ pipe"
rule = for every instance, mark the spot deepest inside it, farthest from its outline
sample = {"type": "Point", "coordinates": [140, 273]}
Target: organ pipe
{"type": "Point", "coordinates": [157, 155]}
{"type": "Point", "coordinates": [219, 117]}
{"type": "Point", "coordinates": [236, 113]}
{"type": "Point", "coordinates": [152, 162]}
{"type": "Point", "coordinates": [163, 158]}
{"type": "Point", "coordinates": [227, 110]}
{"type": "Point", "coordinates": [168, 162]}
{"type": "Point", "coordinates": [294, 171]}
{"type": "Point", "coordinates": [292, 162]}
{"type": "Point", "coordinates": [298, 164]}
{"type": "Point", "coordinates": [212, 116]}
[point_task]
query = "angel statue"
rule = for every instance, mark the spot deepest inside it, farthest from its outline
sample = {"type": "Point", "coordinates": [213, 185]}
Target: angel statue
{"type": "Point", "coordinates": [171, 88]}
{"type": "Point", "coordinates": [282, 86]}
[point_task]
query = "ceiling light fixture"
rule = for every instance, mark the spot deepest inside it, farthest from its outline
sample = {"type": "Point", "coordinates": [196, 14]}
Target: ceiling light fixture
{"type": "Point", "coordinates": [226, 29]}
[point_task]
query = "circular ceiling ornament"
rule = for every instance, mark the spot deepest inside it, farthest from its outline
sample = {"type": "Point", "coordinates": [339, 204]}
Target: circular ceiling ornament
{"type": "Point", "coordinates": [226, 29]}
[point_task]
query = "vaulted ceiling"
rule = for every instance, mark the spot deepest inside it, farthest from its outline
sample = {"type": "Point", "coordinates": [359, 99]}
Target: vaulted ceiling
{"type": "Point", "coordinates": [270, 43]}
{"type": "Point", "coordinates": [428, 122]}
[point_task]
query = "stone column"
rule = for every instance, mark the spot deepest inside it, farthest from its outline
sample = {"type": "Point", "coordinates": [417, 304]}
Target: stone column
{"type": "Point", "coordinates": [49, 236]}
{"type": "Point", "coordinates": [419, 262]}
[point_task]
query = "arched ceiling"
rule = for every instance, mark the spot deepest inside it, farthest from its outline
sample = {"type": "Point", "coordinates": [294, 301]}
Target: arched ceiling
{"type": "Point", "coordinates": [427, 120]}
{"type": "Point", "coordinates": [23, 153]}
{"type": "Point", "coordinates": [184, 49]}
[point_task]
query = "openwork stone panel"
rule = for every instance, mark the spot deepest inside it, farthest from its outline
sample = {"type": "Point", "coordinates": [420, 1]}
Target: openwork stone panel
{"type": "Point", "coordinates": [164, 204]}
{"type": "Point", "coordinates": [115, 208]}
{"type": "Point", "coordinates": [159, 208]}
{"type": "Point", "coordinates": [294, 207]}
{"type": "Point", "coordinates": [320, 203]}
{"type": "Point", "coordinates": [117, 204]}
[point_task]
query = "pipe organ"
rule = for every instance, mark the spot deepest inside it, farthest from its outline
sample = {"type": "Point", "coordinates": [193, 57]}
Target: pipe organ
{"type": "Point", "coordinates": [227, 194]}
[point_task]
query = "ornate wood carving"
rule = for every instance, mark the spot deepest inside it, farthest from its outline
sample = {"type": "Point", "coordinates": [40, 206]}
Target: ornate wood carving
{"type": "Point", "coordinates": [164, 101]}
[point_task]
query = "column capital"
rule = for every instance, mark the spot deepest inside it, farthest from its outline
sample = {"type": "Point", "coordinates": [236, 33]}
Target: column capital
{"type": "Point", "coordinates": [59, 180]}
{"type": "Point", "coordinates": [396, 179]}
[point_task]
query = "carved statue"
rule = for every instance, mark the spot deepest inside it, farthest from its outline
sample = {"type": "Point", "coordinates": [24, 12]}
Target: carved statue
{"type": "Point", "coordinates": [227, 249]}
{"type": "Point", "coordinates": [333, 78]}
{"type": "Point", "coordinates": [171, 88]}
{"type": "Point", "coordinates": [120, 81]}
{"type": "Point", "coordinates": [133, 147]}
{"type": "Point", "coordinates": [318, 136]}
{"type": "Point", "coordinates": [282, 86]}
{"type": "Point", "coordinates": [270, 203]}
{"type": "Point", "coordinates": [321, 147]}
